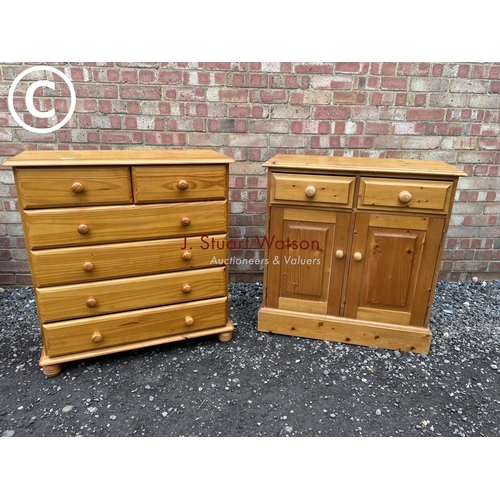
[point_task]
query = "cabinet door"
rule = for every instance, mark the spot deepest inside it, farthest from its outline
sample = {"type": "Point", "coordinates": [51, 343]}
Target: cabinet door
{"type": "Point", "coordinates": [306, 251]}
{"type": "Point", "coordinates": [392, 267]}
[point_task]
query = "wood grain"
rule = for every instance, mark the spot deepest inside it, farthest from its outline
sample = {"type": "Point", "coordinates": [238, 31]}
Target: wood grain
{"type": "Point", "coordinates": [379, 166]}
{"type": "Point", "coordinates": [51, 228]}
{"type": "Point", "coordinates": [127, 157]}
{"type": "Point", "coordinates": [64, 265]}
{"type": "Point", "coordinates": [52, 187]}
{"type": "Point", "coordinates": [72, 336]}
{"type": "Point", "coordinates": [160, 184]}
{"type": "Point", "coordinates": [68, 302]}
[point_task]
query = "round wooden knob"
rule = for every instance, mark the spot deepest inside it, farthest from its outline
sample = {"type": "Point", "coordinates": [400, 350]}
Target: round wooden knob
{"type": "Point", "coordinates": [83, 229]}
{"type": "Point", "coordinates": [182, 185]}
{"type": "Point", "coordinates": [358, 256]}
{"type": "Point", "coordinates": [339, 254]}
{"type": "Point", "coordinates": [91, 302]}
{"type": "Point", "coordinates": [185, 221]}
{"type": "Point", "coordinates": [77, 187]}
{"type": "Point", "coordinates": [188, 321]}
{"type": "Point", "coordinates": [404, 197]}
{"type": "Point", "coordinates": [96, 337]}
{"type": "Point", "coordinates": [186, 287]}
{"type": "Point", "coordinates": [187, 256]}
{"type": "Point", "coordinates": [310, 191]}
{"type": "Point", "coordinates": [88, 266]}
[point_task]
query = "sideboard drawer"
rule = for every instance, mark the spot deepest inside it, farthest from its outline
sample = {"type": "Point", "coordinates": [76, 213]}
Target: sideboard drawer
{"type": "Point", "coordinates": [312, 189]}
{"type": "Point", "coordinates": [98, 332]}
{"type": "Point", "coordinates": [178, 183]}
{"type": "Point", "coordinates": [105, 297]}
{"type": "Point", "coordinates": [92, 225]}
{"type": "Point", "coordinates": [63, 266]}
{"type": "Point", "coordinates": [72, 187]}
{"type": "Point", "coordinates": [405, 194]}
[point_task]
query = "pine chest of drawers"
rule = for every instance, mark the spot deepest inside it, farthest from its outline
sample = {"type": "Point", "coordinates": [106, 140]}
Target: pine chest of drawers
{"type": "Point", "coordinates": [116, 242]}
{"type": "Point", "coordinates": [354, 248]}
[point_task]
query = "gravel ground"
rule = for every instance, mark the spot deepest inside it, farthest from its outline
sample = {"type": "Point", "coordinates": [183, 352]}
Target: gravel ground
{"type": "Point", "coordinates": [261, 384]}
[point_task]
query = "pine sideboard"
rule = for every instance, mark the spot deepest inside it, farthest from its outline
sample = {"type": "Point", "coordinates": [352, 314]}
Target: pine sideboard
{"type": "Point", "coordinates": [115, 246]}
{"type": "Point", "coordinates": [353, 248]}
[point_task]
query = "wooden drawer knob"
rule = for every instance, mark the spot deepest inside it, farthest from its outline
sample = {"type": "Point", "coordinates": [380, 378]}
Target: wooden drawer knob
{"type": "Point", "coordinates": [187, 255]}
{"type": "Point", "coordinates": [91, 302]}
{"type": "Point", "coordinates": [96, 337]}
{"type": "Point", "coordinates": [404, 197]}
{"type": "Point", "coordinates": [77, 187]}
{"type": "Point", "coordinates": [83, 229]}
{"type": "Point", "coordinates": [310, 191]}
{"type": "Point", "coordinates": [182, 185]}
{"type": "Point", "coordinates": [339, 254]}
{"type": "Point", "coordinates": [185, 221]}
{"type": "Point", "coordinates": [88, 266]}
{"type": "Point", "coordinates": [186, 287]}
{"type": "Point", "coordinates": [358, 256]}
{"type": "Point", "coordinates": [188, 321]}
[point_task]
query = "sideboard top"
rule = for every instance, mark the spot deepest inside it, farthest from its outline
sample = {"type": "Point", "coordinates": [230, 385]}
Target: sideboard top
{"type": "Point", "coordinates": [117, 157]}
{"type": "Point", "coordinates": [364, 165]}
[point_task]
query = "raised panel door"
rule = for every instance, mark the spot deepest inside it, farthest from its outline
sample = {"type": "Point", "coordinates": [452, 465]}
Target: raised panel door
{"type": "Point", "coordinates": [306, 252]}
{"type": "Point", "coordinates": [392, 266]}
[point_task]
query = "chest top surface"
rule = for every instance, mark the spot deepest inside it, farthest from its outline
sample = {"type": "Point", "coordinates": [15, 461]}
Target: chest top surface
{"type": "Point", "coordinates": [117, 157]}
{"type": "Point", "coordinates": [338, 164]}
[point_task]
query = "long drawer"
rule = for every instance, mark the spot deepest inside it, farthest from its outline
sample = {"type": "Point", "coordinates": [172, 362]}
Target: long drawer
{"type": "Point", "coordinates": [73, 336]}
{"type": "Point", "coordinates": [153, 184]}
{"type": "Point", "coordinates": [64, 266]}
{"type": "Point", "coordinates": [72, 187]}
{"type": "Point", "coordinates": [106, 297]}
{"type": "Point", "coordinates": [53, 228]}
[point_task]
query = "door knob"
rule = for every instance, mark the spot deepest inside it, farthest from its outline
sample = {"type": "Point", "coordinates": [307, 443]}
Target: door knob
{"type": "Point", "coordinates": [310, 191]}
{"type": "Point", "coordinates": [77, 187]}
{"type": "Point", "coordinates": [182, 185]}
{"type": "Point", "coordinates": [358, 256]}
{"type": "Point", "coordinates": [404, 197]}
{"type": "Point", "coordinates": [339, 254]}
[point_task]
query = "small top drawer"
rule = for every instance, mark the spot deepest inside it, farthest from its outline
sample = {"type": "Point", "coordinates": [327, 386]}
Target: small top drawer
{"type": "Point", "coordinates": [46, 187]}
{"type": "Point", "coordinates": [154, 184]}
{"type": "Point", "coordinates": [312, 189]}
{"type": "Point", "coordinates": [407, 195]}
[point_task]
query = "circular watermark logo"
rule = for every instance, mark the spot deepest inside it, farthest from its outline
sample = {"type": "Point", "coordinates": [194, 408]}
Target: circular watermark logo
{"type": "Point", "coordinates": [30, 95]}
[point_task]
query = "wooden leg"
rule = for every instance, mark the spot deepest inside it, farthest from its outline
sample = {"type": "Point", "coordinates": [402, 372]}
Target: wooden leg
{"type": "Point", "coordinates": [225, 337]}
{"type": "Point", "coordinates": [51, 370]}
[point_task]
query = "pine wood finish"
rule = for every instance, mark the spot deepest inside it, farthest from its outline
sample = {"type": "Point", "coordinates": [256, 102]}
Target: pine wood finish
{"type": "Point", "coordinates": [116, 244]}
{"type": "Point", "coordinates": [355, 248]}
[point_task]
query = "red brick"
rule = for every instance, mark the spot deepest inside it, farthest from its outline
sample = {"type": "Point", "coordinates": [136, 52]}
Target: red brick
{"type": "Point", "coordinates": [425, 114]}
{"type": "Point", "coordinates": [314, 68]}
{"type": "Point", "coordinates": [397, 83]}
{"type": "Point", "coordinates": [330, 113]}
{"type": "Point", "coordinates": [233, 95]}
{"type": "Point", "coordinates": [351, 67]}
{"type": "Point", "coordinates": [349, 97]}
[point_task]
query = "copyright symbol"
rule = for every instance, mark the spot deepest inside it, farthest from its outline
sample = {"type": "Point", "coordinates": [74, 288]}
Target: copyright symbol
{"type": "Point", "coordinates": [30, 95]}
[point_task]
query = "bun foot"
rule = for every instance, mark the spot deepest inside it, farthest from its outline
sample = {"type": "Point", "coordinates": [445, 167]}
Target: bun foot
{"type": "Point", "coordinates": [225, 337]}
{"type": "Point", "coordinates": [51, 370]}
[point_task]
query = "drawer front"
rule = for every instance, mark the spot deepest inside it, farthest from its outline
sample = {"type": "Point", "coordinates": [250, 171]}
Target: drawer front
{"type": "Point", "coordinates": [312, 189]}
{"type": "Point", "coordinates": [73, 336]}
{"type": "Point", "coordinates": [53, 228]}
{"type": "Point", "coordinates": [73, 187]}
{"type": "Point", "coordinates": [93, 299]}
{"type": "Point", "coordinates": [405, 195]}
{"type": "Point", "coordinates": [102, 262]}
{"type": "Point", "coordinates": [179, 183]}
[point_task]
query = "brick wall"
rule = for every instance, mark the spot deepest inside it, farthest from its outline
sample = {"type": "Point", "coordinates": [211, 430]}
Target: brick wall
{"type": "Point", "coordinates": [252, 111]}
